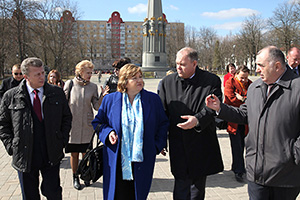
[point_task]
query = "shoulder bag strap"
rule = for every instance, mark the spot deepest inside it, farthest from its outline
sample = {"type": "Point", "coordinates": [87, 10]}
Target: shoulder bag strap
{"type": "Point", "coordinates": [96, 132]}
{"type": "Point", "coordinates": [70, 88]}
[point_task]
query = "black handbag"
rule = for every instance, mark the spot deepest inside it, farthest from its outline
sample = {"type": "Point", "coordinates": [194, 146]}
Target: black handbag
{"type": "Point", "coordinates": [90, 168]}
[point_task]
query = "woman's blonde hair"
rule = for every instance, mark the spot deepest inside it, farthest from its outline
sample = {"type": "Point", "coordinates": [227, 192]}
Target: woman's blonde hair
{"type": "Point", "coordinates": [83, 65]}
{"type": "Point", "coordinates": [126, 72]}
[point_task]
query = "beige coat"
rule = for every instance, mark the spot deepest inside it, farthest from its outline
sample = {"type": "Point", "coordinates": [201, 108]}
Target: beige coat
{"type": "Point", "coordinates": [83, 99]}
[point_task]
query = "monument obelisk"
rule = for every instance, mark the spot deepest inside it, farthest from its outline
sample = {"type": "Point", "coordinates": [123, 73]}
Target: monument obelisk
{"type": "Point", "coordinates": [154, 38]}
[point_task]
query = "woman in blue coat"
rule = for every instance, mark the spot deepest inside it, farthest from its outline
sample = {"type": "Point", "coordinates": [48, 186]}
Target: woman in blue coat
{"type": "Point", "coordinates": [134, 130]}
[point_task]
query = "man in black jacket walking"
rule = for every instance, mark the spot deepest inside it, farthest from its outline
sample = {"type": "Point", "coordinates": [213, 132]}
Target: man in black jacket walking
{"type": "Point", "coordinates": [12, 81]}
{"type": "Point", "coordinates": [194, 147]}
{"type": "Point", "coordinates": [35, 121]}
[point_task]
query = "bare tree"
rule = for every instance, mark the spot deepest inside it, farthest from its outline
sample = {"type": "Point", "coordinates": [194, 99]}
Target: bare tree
{"type": "Point", "coordinates": [205, 46]}
{"type": "Point", "coordinates": [175, 41]}
{"type": "Point", "coordinates": [20, 12]}
{"type": "Point", "coordinates": [57, 33]}
{"type": "Point", "coordinates": [190, 34]}
{"type": "Point", "coordinates": [285, 25]}
{"type": "Point", "coordinates": [251, 38]}
{"type": "Point", "coordinates": [227, 50]}
{"type": "Point", "coordinates": [4, 37]}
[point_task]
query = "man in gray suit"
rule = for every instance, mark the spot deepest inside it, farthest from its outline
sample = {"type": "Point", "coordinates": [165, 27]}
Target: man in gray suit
{"type": "Point", "coordinates": [272, 110]}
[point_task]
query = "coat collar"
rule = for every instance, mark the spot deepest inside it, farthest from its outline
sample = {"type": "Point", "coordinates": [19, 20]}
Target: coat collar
{"type": "Point", "coordinates": [117, 108]}
{"type": "Point", "coordinates": [194, 79]}
{"type": "Point", "coordinates": [22, 91]}
{"type": "Point", "coordinates": [285, 82]}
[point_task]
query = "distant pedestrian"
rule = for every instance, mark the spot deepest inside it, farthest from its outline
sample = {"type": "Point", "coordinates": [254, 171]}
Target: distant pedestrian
{"type": "Point", "coordinates": [111, 83]}
{"type": "Point", "coordinates": [12, 81]}
{"type": "Point", "coordinates": [35, 121]}
{"type": "Point", "coordinates": [99, 76]}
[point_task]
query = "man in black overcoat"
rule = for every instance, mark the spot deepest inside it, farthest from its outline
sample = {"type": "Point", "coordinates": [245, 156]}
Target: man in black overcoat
{"type": "Point", "coordinates": [35, 120]}
{"type": "Point", "coordinates": [193, 143]}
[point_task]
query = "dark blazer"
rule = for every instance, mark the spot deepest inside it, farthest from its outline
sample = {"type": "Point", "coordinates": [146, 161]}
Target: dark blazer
{"type": "Point", "coordinates": [296, 71]}
{"type": "Point", "coordinates": [155, 139]}
{"type": "Point", "coordinates": [7, 84]}
{"type": "Point", "coordinates": [195, 152]}
{"type": "Point", "coordinates": [273, 142]}
{"type": "Point", "coordinates": [16, 128]}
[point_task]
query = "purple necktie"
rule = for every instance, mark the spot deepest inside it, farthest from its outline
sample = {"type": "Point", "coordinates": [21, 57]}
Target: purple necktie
{"type": "Point", "coordinates": [37, 105]}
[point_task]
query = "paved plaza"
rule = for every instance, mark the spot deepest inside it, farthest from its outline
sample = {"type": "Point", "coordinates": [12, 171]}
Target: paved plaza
{"type": "Point", "coordinates": [222, 186]}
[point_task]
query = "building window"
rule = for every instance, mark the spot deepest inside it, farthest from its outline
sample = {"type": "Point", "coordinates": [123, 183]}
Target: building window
{"type": "Point", "coordinates": [157, 59]}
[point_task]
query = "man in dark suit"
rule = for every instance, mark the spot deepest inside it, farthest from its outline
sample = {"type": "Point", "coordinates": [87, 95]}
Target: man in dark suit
{"type": "Point", "coordinates": [35, 121]}
{"type": "Point", "coordinates": [272, 110]}
{"type": "Point", "coordinates": [293, 59]}
{"type": "Point", "coordinates": [12, 81]}
{"type": "Point", "coordinates": [194, 147]}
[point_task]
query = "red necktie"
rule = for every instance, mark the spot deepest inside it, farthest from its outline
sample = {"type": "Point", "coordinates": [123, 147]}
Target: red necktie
{"type": "Point", "coordinates": [37, 105]}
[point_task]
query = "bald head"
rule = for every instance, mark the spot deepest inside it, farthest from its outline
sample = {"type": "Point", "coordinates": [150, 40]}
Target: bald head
{"type": "Point", "coordinates": [293, 57]}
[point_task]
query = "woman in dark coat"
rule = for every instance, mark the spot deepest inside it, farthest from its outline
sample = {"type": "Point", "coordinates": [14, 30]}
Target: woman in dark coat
{"type": "Point", "coordinates": [134, 130]}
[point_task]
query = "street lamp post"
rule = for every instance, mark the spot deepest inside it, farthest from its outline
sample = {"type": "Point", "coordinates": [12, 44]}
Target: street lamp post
{"type": "Point", "coordinates": [233, 46]}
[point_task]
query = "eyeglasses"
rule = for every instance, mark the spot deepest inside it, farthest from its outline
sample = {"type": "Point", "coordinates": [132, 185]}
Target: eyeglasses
{"type": "Point", "coordinates": [17, 74]}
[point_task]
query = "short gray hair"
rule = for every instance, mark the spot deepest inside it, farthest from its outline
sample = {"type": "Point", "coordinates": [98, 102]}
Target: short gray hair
{"type": "Point", "coordinates": [191, 53]}
{"type": "Point", "coordinates": [30, 62]}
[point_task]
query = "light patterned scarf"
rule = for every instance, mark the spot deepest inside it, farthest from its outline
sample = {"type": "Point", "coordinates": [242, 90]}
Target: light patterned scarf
{"type": "Point", "coordinates": [132, 134]}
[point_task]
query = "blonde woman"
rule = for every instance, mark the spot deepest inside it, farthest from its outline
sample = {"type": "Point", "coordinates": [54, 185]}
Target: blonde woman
{"type": "Point", "coordinates": [83, 97]}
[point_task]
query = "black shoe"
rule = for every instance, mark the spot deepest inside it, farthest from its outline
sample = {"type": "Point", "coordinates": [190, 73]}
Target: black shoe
{"type": "Point", "coordinates": [87, 183]}
{"type": "Point", "coordinates": [239, 177]}
{"type": "Point", "coordinates": [76, 182]}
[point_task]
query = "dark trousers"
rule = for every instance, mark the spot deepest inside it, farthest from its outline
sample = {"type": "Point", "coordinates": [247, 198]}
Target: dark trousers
{"type": "Point", "coordinates": [260, 192]}
{"type": "Point", "coordinates": [50, 186]}
{"type": "Point", "coordinates": [237, 150]}
{"type": "Point", "coordinates": [188, 189]}
{"type": "Point", "coordinates": [124, 188]}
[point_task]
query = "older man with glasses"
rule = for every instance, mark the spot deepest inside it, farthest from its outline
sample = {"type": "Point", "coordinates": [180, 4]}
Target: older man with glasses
{"type": "Point", "coordinates": [12, 81]}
